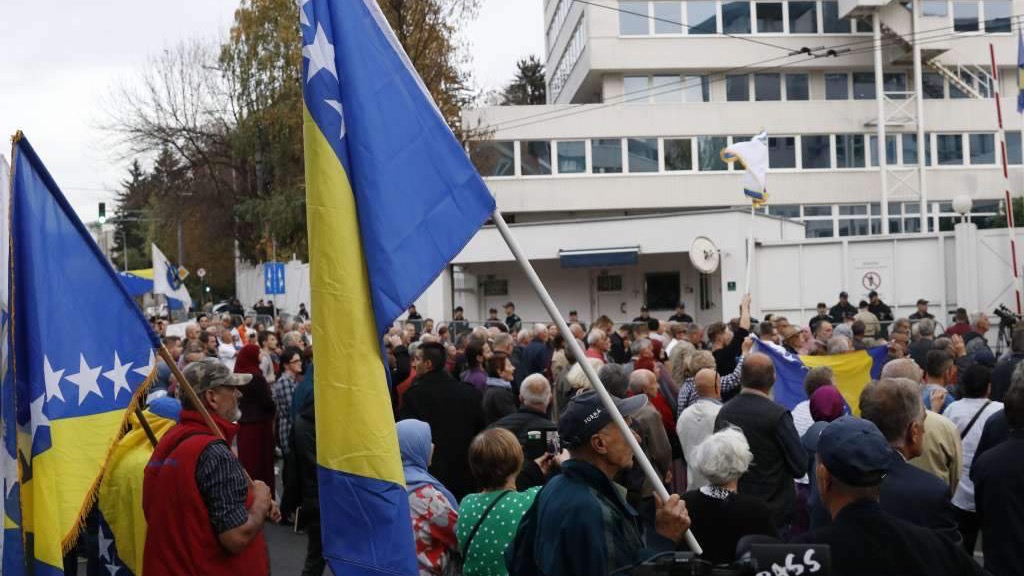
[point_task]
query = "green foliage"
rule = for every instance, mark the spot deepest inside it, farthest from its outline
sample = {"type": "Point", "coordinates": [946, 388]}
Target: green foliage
{"type": "Point", "coordinates": [528, 87]}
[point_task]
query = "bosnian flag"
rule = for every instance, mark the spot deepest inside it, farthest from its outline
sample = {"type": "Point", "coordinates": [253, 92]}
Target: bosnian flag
{"type": "Point", "coordinates": [169, 279]}
{"type": "Point", "coordinates": [753, 156]}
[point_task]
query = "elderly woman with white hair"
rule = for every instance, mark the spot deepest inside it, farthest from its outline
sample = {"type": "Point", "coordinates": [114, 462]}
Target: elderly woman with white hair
{"type": "Point", "coordinates": [720, 516]}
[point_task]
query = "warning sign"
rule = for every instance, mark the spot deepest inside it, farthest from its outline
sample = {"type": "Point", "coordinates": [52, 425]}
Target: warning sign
{"type": "Point", "coordinates": [872, 281]}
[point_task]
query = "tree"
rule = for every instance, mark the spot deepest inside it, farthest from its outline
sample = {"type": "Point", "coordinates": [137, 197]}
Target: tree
{"type": "Point", "coordinates": [528, 87]}
{"type": "Point", "coordinates": [130, 214]}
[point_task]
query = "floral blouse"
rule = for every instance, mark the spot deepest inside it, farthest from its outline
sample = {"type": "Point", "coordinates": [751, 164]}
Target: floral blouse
{"type": "Point", "coordinates": [433, 526]}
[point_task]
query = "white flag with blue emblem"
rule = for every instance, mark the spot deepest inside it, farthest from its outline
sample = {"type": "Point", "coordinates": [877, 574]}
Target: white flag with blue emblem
{"type": "Point", "coordinates": [169, 279]}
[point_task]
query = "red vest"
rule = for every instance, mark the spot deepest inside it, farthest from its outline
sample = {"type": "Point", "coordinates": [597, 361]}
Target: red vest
{"type": "Point", "coordinates": [180, 539]}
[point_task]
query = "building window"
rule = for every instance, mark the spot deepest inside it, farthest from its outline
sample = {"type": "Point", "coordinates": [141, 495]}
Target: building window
{"type": "Point", "coordinates": [814, 150]}
{"type": "Point", "coordinates": [769, 17]}
{"type": "Point", "coordinates": [678, 154]}
{"type": "Point", "coordinates": [997, 16]}
{"type": "Point", "coordinates": [606, 155]}
{"type": "Point", "coordinates": [803, 17]}
{"type": "Point", "coordinates": [818, 228]}
{"type": "Point", "coordinates": [797, 87]}
{"type": "Point", "coordinates": [965, 16]}
{"type": "Point", "coordinates": [849, 150]}
{"type": "Point", "coordinates": [737, 88]}
{"type": "Point", "coordinates": [661, 290]}
{"type": "Point", "coordinates": [666, 89]}
{"type": "Point", "coordinates": [668, 18]}
{"type": "Point", "coordinates": [933, 85]}
{"type": "Point", "coordinates": [767, 87]}
{"type": "Point", "coordinates": [567, 61]}
{"type": "Point", "coordinates": [837, 86]}
{"type": "Point", "coordinates": [854, 227]}
{"type": "Point", "coordinates": [633, 18]}
{"type": "Point", "coordinates": [634, 89]}
{"type": "Point", "coordinates": [493, 158]}
{"type": "Point", "coordinates": [609, 283]}
{"type": "Point", "coordinates": [890, 149]}
{"type": "Point", "coordinates": [934, 8]}
{"type": "Point", "coordinates": [818, 210]}
{"type": "Point", "coordinates": [1013, 149]}
{"type": "Point", "coordinates": [535, 157]}
{"type": "Point", "coordinates": [909, 142]}
{"type": "Point", "coordinates": [863, 85]}
{"type": "Point", "coordinates": [702, 16]}
{"type": "Point", "coordinates": [643, 154]}
{"type": "Point", "coordinates": [736, 17]}
{"type": "Point", "coordinates": [895, 84]}
{"type": "Point", "coordinates": [782, 152]}
{"type": "Point", "coordinates": [495, 286]}
{"type": "Point", "coordinates": [983, 148]}
{"type": "Point", "coordinates": [709, 149]}
{"type": "Point", "coordinates": [784, 211]}
{"type": "Point", "coordinates": [572, 157]}
{"type": "Point", "coordinates": [951, 149]}
{"type": "Point", "coordinates": [696, 89]}
{"type": "Point", "coordinates": [831, 21]}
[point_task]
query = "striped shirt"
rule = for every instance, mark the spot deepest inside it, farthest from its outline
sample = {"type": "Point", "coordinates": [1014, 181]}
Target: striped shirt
{"type": "Point", "coordinates": [283, 390]}
{"type": "Point", "coordinates": [223, 486]}
{"type": "Point", "coordinates": [688, 391]}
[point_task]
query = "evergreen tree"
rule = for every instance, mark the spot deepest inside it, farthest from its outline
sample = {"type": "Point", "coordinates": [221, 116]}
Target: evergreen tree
{"type": "Point", "coordinates": [528, 87]}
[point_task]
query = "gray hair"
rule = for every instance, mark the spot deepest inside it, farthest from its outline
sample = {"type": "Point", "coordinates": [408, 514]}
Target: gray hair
{"type": "Point", "coordinates": [577, 378]}
{"type": "Point", "coordinates": [480, 333]}
{"type": "Point", "coordinates": [926, 327]}
{"type": "Point", "coordinates": [944, 344]}
{"type": "Point", "coordinates": [978, 317]}
{"type": "Point", "coordinates": [701, 359]}
{"type": "Point", "coordinates": [903, 368]}
{"type": "Point", "coordinates": [838, 345]}
{"type": "Point", "coordinates": [892, 404]}
{"type": "Point", "coordinates": [596, 335]}
{"type": "Point", "coordinates": [535, 391]}
{"type": "Point", "coordinates": [694, 328]}
{"type": "Point", "coordinates": [724, 456]}
{"type": "Point", "coordinates": [843, 330]}
{"type": "Point", "coordinates": [639, 346]}
{"type": "Point", "coordinates": [639, 379]}
{"type": "Point", "coordinates": [291, 339]}
{"type": "Point", "coordinates": [523, 336]}
{"type": "Point", "coordinates": [614, 378]}
{"type": "Point", "coordinates": [539, 328]}
{"type": "Point", "coordinates": [502, 341]}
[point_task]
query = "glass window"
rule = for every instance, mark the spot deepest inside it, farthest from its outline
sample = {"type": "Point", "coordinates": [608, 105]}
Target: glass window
{"type": "Point", "coordinates": [818, 228]}
{"type": "Point", "coordinates": [983, 148]}
{"type": "Point", "coordinates": [864, 25]}
{"type": "Point", "coordinates": [951, 149]}
{"type": "Point", "coordinates": [572, 157]}
{"type": "Point", "coordinates": [797, 87]}
{"type": "Point", "coordinates": [678, 154]}
{"type": "Point", "coordinates": [737, 88]}
{"type": "Point", "coordinates": [965, 16]}
{"type": "Point", "coordinates": [854, 227]}
{"type": "Point", "coordinates": [702, 17]}
{"type": "Point", "coordinates": [819, 210]}
{"type": "Point", "coordinates": [837, 86]}
{"type": "Point", "coordinates": [890, 149]}
{"type": "Point", "coordinates": [668, 18]}
{"type": "Point", "coordinates": [831, 21]}
{"type": "Point", "coordinates": [769, 17]}
{"type": "Point", "coordinates": [814, 150]}
{"type": "Point", "coordinates": [606, 155]}
{"type": "Point", "coordinates": [1013, 151]}
{"type": "Point", "coordinates": [895, 82]}
{"type": "Point", "coordinates": [863, 85]}
{"type": "Point", "coordinates": [803, 17]}
{"type": "Point", "coordinates": [933, 85]}
{"type": "Point", "coordinates": [493, 158]}
{"type": "Point", "coordinates": [767, 87]}
{"type": "Point", "coordinates": [852, 210]}
{"type": "Point", "coordinates": [709, 150]}
{"type": "Point", "coordinates": [643, 154]}
{"type": "Point", "coordinates": [934, 8]}
{"type": "Point", "coordinates": [782, 152]}
{"type": "Point", "coordinates": [784, 211]}
{"type": "Point", "coordinates": [696, 89]}
{"type": "Point", "coordinates": [849, 150]}
{"type": "Point", "coordinates": [910, 149]}
{"type": "Point", "coordinates": [534, 157]}
{"type": "Point", "coordinates": [997, 15]}
{"type": "Point", "coordinates": [633, 18]}
{"type": "Point", "coordinates": [666, 89]}
{"type": "Point", "coordinates": [736, 17]}
{"type": "Point", "coordinates": [634, 89]}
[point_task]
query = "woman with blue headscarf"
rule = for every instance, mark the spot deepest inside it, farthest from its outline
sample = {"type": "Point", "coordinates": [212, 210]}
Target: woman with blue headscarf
{"type": "Point", "coordinates": [432, 507]}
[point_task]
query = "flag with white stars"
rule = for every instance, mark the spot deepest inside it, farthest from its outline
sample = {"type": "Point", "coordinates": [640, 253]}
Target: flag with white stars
{"type": "Point", "coordinates": [82, 353]}
{"type": "Point", "coordinates": [377, 151]}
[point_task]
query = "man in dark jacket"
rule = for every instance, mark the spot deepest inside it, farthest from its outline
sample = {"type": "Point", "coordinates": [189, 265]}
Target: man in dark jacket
{"type": "Point", "coordinates": [512, 320]}
{"type": "Point", "coordinates": [452, 409]}
{"type": "Point", "coordinates": [779, 458]}
{"type": "Point", "coordinates": [1004, 368]}
{"type": "Point", "coordinates": [852, 460]}
{"type": "Point", "coordinates": [926, 338]}
{"type": "Point", "coordinates": [304, 447]}
{"type": "Point", "coordinates": [843, 309]}
{"type": "Point", "coordinates": [881, 310]}
{"type": "Point", "coordinates": [726, 346]}
{"type": "Point", "coordinates": [534, 397]}
{"type": "Point", "coordinates": [537, 355]}
{"type": "Point", "coordinates": [621, 339]}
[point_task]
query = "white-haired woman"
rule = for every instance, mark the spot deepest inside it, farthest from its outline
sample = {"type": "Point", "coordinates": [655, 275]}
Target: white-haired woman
{"type": "Point", "coordinates": [720, 516]}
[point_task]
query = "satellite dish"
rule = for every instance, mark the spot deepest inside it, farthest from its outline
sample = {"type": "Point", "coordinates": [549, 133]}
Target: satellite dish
{"type": "Point", "coordinates": [704, 255]}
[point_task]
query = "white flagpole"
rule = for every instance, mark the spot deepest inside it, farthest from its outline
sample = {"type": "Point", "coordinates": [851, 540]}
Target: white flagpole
{"type": "Point", "coordinates": [750, 249]}
{"type": "Point", "coordinates": [577, 351]}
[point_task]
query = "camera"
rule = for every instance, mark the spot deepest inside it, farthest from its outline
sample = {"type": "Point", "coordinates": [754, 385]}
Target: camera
{"type": "Point", "coordinates": [686, 564]}
{"type": "Point", "coordinates": [1006, 316]}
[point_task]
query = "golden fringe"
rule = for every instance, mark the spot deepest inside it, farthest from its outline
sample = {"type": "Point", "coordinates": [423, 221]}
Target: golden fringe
{"type": "Point", "coordinates": [16, 137]}
{"type": "Point", "coordinates": [68, 544]}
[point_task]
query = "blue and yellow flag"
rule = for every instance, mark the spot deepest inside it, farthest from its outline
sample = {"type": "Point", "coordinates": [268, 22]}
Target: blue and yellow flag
{"type": "Point", "coordinates": [1020, 71]}
{"type": "Point", "coordinates": [82, 354]}
{"type": "Point", "coordinates": [853, 371]}
{"type": "Point", "coordinates": [391, 199]}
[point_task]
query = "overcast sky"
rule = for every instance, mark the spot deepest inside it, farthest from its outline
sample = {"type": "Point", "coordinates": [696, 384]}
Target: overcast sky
{"type": "Point", "coordinates": [62, 60]}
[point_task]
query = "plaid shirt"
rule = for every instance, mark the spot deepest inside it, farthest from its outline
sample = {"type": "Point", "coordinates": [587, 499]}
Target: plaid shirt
{"type": "Point", "coordinates": [688, 391]}
{"type": "Point", "coordinates": [283, 390]}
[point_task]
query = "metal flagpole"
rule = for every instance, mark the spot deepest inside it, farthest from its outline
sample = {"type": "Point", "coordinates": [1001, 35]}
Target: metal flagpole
{"type": "Point", "coordinates": [750, 249]}
{"type": "Point", "coordinates": [581, 359]}
{"type": "Point", "coordinates": [1011, 231]}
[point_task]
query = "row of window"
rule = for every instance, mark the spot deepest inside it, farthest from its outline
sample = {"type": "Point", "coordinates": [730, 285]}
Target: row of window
{"type": "Point", "coordinates": [704, 17]}
{"type": "Point", "coordinates": [832, 220]}
{"type": "Point", "coordinates": [570, 56]}
{"type": "Point", "coordinates": [557, 19]}
{"type": "Point", "coordinates": [702, 153]}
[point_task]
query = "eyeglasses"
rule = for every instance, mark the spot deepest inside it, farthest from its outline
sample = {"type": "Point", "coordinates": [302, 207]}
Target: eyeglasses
{"type": "Point", "coordinates": [299, 360]}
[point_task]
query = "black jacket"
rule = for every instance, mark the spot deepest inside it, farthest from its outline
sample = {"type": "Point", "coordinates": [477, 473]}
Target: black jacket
{"type": "Point", "coordinates": [919, 497]}
{"type": "Point", "coordinates": [498, 402]}
{"type": "Point", "coordinates": [1001, 376]}
{"type": "Point", "coordinates": [522, 421]}
{"type": "Point", "coordinates": [618, 353]}
{"type": "Point", "coordinates": [719, 524]}
{"type": "Point", "coordinates": [995, 432]}
{"type": "Point", "coordinates": [453, 410]}
{"type": "Point", "coordinates": [840, 311]}
{"type": "Point", "coordinates": [725, 357]}
{"type": "Point", "coordinates": [864, 540]}
{"type": "Point", "coordinates": [998, 476]}
{"type": "Point", "coordinates": [536, 358]}
{"type": "Point", "coordinates": [304, 449]}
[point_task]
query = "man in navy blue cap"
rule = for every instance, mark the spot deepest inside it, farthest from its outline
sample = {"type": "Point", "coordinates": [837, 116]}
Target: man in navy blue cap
{"type": "Point", "coordinates": [853, 459]}
{"type": "Point", "coordinates": [581, 524]}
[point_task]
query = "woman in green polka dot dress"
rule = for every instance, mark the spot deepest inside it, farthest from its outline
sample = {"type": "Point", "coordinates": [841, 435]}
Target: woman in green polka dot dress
{"type": "Point", "coordinates": [495, 458]}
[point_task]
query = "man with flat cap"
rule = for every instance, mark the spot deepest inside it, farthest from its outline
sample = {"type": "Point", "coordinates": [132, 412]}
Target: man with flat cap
{"type": "Point", "coordinates": [205, 517]}
{"type": "Point", "coordinates": [853, 458]}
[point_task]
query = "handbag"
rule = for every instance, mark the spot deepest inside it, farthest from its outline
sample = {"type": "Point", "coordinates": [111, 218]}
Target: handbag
{"type": "Point", "coordinates": [456, 557]}
{"type": "Point", "coordinates": [973, 420]}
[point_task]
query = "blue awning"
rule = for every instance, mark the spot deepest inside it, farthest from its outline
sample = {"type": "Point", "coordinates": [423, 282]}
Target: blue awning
{"type": "Point", "coordinates": [599, 257]}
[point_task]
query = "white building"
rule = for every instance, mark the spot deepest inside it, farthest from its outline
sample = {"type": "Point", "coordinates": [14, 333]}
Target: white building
{"type": "Point", "coordinates": [644, 95]}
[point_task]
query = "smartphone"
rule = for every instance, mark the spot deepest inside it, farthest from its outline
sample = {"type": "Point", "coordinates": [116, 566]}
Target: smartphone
{"type": "Point", "coordinates": [552, 442]}
{"type": "Point", "coordinates": [535, 444]}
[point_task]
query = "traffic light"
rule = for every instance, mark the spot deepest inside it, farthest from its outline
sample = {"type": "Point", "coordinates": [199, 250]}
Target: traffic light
{"type": "Point", "coordinates": [103, 213]}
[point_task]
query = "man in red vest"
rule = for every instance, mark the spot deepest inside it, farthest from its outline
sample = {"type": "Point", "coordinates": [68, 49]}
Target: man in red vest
{"type": "Point", "coordinates": [204, 517]}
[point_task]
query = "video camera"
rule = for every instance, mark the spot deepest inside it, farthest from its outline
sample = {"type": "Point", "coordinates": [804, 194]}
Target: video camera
{"type": "Point", "coordinates": [1006, 316]}
{"type": "Point", "coordinates": [760, 560]}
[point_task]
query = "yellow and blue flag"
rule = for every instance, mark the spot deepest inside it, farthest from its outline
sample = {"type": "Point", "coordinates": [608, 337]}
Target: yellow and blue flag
{"type": "Point", "coordinates": [1020, 71]}
{"type": "Point", "coordinates": [82, 356]}
{"type": "Point", "coordinates": [853, 371]}
{"type": "Point", "coordinates": [391, 199]}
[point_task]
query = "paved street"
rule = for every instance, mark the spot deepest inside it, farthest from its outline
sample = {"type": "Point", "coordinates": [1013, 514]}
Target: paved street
{"type": "Point", "coordinates": [287, 550]}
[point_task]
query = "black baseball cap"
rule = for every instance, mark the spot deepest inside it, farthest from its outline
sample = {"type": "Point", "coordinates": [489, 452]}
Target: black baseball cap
{"type": "Point", "coordinates": [854, 451]}
{"type": "Point", "coordinates": [586, 415]}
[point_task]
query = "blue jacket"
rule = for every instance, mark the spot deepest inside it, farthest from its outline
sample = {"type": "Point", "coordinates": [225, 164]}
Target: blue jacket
{"type": "Point", "coordinates": [580, 525]}
{"type": "Point", "coordinates": [536, 358]}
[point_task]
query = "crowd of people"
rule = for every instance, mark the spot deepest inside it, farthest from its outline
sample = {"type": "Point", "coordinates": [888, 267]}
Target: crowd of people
{"type": "Point", "coordinates": [513, 465]}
